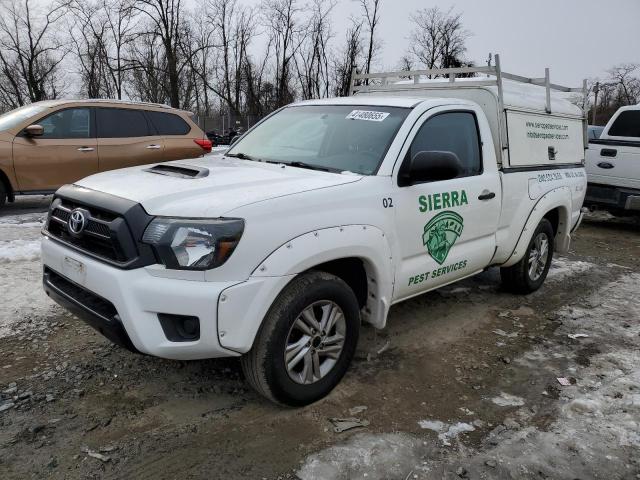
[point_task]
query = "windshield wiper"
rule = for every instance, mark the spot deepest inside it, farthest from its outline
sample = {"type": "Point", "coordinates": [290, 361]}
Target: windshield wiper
{"type": "Point", "coordinates": [310, 166]}
{"type": "Point", "coordinates": [243, 156]}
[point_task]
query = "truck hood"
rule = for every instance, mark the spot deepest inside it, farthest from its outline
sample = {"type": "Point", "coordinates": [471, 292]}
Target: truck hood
{"type": "Point", "coordinates": [231, 183]}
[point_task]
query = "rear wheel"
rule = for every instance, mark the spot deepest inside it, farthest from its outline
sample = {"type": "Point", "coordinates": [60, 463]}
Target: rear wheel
{"type": "Point", "coordinates": [530, 272]}
{"type": "Point", "coordinates": [306, 342]}
{"type": "Point", "coordinates": [3, 194]}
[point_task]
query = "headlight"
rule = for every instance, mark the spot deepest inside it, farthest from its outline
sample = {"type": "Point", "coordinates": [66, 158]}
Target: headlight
{"type": "Point", "coordinates": [186, 244]}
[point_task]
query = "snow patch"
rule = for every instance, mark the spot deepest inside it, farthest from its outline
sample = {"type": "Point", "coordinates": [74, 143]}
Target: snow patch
{"type": "Point", "coordinates": [19, 250]}
{"type": "Point", "coordinates": [446, 432]}
{"type": "Point", "coordinates": [435, 425]}
{"type": "Point", "coordinates": [562, 268]}
{"type": "Point", "coordinates": [374, 457]}
{"type": "Point", "coordinates": [25, 220]}
{"type": "Point", "coordinates": [507, 400]}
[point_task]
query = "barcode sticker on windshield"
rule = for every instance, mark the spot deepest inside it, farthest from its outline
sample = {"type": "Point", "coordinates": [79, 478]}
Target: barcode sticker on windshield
{"type": "Point", "coordinates": [367, 115]}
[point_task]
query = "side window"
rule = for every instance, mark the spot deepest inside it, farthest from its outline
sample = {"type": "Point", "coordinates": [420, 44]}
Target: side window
{"type": "Point", "coordinates": [168, 123]}
{"type": "Point", "coordinates": [455, 132]}
{"type": "Point", "coordinates": [626, 125]}
{"type": "Point", "coordinates": [68, 123]}
{"type": "Point", "coordinates": [121, 123]}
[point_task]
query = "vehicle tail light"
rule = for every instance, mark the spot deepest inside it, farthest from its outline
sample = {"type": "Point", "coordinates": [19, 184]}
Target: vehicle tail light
{"type": "Point", "coordinates": [205, 144]}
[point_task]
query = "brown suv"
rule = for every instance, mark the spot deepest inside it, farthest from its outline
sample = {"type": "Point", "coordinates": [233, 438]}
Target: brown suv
{"type": "Point", "coordinates": [48, 144]}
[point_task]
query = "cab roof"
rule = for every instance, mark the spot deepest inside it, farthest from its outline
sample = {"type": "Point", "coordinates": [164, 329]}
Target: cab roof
{"type": "Point", "coordinates": [382, 101]}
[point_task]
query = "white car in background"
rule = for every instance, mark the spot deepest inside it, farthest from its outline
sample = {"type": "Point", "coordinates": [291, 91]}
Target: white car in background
{"type": "Point", "coordinates": [613, 165]}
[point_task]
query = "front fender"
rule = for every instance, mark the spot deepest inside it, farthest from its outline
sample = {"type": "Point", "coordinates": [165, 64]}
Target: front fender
{"type": "Point", "coordinates": [243, 307]}
{"type": "Point", "coordinates": [366, 242]}
{"type": "Point", "coordinates": [558, 198]}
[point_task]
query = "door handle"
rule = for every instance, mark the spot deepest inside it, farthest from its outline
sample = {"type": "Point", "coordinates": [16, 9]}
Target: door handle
{"type": "Point", "coordinates": [606, 165]}
{"type": "Point", "coordinates": [86, 149]}
{"type": "Point", "coordinates": [153, 147]}
{"type": "Point", "coordinates": [486, 195]}
{"type": "Point", "coordinates": [608, 152]}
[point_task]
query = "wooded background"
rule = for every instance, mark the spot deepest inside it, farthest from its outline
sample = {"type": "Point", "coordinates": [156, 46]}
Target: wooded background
{"type": "Point", "coordinates": [221, 57]}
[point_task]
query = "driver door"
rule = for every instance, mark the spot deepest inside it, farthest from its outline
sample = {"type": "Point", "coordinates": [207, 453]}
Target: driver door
{"type": "Point", "coordinates": [65, 153]}
{"type": "Point", "coordinates": [447, 228]}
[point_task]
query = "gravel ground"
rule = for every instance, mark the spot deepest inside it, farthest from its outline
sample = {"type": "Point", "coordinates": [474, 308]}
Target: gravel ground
{"type": "Point", "coordinates": [462, 384]}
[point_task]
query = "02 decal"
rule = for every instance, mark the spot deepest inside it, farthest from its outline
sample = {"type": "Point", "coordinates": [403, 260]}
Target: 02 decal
{"type": "Point", "coordinates": [441, 233]}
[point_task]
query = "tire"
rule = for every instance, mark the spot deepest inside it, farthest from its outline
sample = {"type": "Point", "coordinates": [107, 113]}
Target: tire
{"type": "Point", "coordinates": [265, 366]}
{"type": "Point", "coordinates": [3, 194]}
{"type": "Point", "coordinates": [530, 272]}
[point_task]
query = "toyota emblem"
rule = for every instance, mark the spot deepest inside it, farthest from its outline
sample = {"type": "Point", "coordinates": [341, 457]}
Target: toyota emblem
{"type": "Point", "coordinates": [77, 222]}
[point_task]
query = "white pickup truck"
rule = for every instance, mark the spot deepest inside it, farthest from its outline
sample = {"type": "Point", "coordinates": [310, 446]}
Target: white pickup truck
{"type": "Point", "coordinates": [325, 214]}
{"type": "Point", "coordinates": [613, 165]}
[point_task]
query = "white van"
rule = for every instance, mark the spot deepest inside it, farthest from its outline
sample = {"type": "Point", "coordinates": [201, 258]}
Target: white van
{"type": "Point", "coordinates": [322, 216]}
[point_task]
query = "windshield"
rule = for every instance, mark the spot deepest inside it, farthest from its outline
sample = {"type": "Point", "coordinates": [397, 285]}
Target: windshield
{"type": "Point", "coordinates": [15, 117]}
{"type": "Point", "coordinates": [333, 137]}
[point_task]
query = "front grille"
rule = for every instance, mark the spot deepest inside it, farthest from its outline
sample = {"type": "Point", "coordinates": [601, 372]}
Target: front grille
{"type": "Point", "coordinates": [102, 234]}
{"type": "Point", "coordinates": [61, 214]}
{"type": "Point", "coordinates": [112, 231]}
{"type": "Point", "coordinates": [86, 299]}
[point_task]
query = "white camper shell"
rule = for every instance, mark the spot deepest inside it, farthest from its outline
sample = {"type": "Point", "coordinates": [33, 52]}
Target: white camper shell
{"type": "Point", "coordinates": [531, 126]}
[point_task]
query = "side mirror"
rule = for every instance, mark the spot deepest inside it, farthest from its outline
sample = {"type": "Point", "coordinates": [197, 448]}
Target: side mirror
{"type": "Point", "coordinates": [34, 131]}
{"type": "Point", "coordinates": [430, 166]}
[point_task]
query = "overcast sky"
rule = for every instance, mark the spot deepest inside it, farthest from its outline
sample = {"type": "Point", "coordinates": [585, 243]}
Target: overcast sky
{"type": "Point", "coordinates": [575, 38]}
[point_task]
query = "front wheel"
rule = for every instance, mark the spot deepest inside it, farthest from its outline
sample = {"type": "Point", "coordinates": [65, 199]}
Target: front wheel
{"type": "Point", "coordinates": [530, 272]}
{"type": "Point", "coordinates": [306, 342]}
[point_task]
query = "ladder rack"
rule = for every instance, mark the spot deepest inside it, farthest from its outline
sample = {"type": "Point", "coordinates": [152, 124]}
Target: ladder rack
{"type": "Point", "coordinates": [386, 80]}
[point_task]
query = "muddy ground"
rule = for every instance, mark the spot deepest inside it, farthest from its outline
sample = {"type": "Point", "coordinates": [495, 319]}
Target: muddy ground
{"type": "Point", "coordinates": [461, 384]}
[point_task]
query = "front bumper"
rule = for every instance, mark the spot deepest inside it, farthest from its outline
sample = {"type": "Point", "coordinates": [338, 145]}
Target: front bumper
{"type": "Point", "coordinates": [97, 312]}
{"type": "Point", "coordinates": [137, 298]}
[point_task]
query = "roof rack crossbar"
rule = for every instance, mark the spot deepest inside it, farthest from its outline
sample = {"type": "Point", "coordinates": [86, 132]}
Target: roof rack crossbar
{"type": "Point", "coordinates": [417, 86]}
{"type": "Point", "coordinates": [433, 71]}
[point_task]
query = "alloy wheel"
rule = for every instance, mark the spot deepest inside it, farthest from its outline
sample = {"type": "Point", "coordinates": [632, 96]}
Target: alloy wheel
{"type": "Point", "coordinates": [315, 342]}
{"type": "Point", "coordinates": [538, 256]}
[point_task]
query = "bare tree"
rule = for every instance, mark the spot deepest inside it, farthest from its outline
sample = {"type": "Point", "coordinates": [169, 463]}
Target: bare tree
{"type": "Point", "coordinates": [31, 52]}
{"type": "Point", "coordinates": [261, 96]}
{"type": "Point", "coordinates": [122, 22]}
{"type": "Point", "coordinates": [147, 81]}
{"type": "Point", "coordinates": [286, 34]}
{"type": "Point", "coordinates": [619, 89]}
{"type": "Point", "coordinates": [628, 85]}
{"type": "Point", "coordinates": [88, 35]}
{"type": "Point", "coordinates": [438, 38]}
{"type": "Point", "coordinates": [172, 31]}
{"type": "Point", "coordinates": [371, 10]}
{"type": "Point", "coordinates": [312, 62]}
{"type": "Point", "coordinates": [102, 31]}
{"type": "Point", "coordinates": [347, 59]}
{"type": "Point", "coordinates": [233, 32]}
